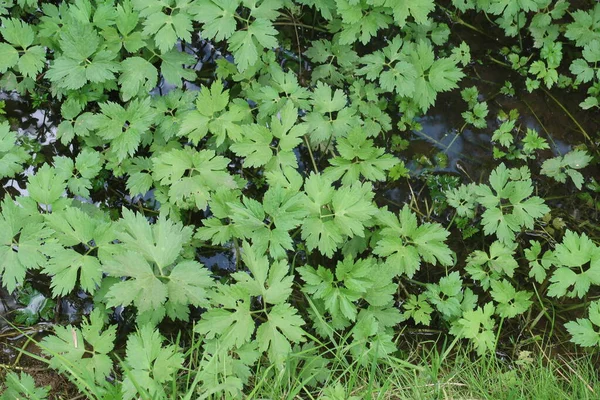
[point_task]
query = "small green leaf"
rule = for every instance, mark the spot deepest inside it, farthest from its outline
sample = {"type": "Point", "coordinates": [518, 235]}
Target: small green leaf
{"type": "Point", "coordinates": [584, 331]}
{"type": "Point", "coordinates": [22, 387]}
{"type": "Point", "coordinates": [149, 364]}
{"type": "Point", "coordinates": [69, 345]}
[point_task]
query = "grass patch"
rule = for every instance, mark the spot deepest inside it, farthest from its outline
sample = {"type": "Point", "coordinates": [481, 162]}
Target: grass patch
{"type": "Point", "coordinates": [533, 375]}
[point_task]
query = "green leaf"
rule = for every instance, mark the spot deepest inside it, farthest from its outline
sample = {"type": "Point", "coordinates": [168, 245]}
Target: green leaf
{"type": "Point", "coordinates": [444, 75]}
{"type": "Point", "coordinates": [22, 387]}
{"type": "Point", "coordinates": [73, 227]}
{"type": "Point", "coordinates": [358, 157]}
{"type": "Point", "coordinates": [149, 364]}
{"type": "Point", "coordinates": [575, 252]}
{"type": "Point", "coordinates": [510, 302]}
{"type": "Point", "coordinates": [433, 76]}
{"type": "Point", "coordinates": [532, 141]}
{"type": "Point", "coordinates": [584, 27]}
{"type": "Point", "coordinates": [215, 114]}
{"type": "Point", "coordinates": [519, 211]}
{"type": "Point", "coordinates": [19, 255]}
{"type": "Point", "coordinates": [245, 45]}
{"type": "Point", "coordinates": [8, 57]}
{"type": "Point", "coordinates": [463, 199]}
{"type": "Point", "coordinates": [188, 284]}
{"type": "Point", "coordinates": [392, 67]}
{"type": "Point", "coordinates": [78, 175]}
{"type": "Point", "coordinates": [539, 265]}
{"type": "Point", "coordinates": [285, 212]}
{"type": "Point", "coordinates": [231, 320]}
{"type": "Point", "coordinates": [46, 186]}
{"type": "Point", "coordinates": [417, 308]}
{"type": "Point", "coordinates": [218, 18]}
{"type": "Point", "coordinates": [360, 23]}
{"type": "Point", "coordinates": [65, 266]}
{"type": "Point", "coordinates": [478, 325]}
{"type": "Point", "coordinates": [404, 243]}
{"type": "Point", "coordinates": [82, 59]}
{"type": "Point", "coordinates": [488, 268]}
{"type": "Point", "coordinates": [446, 296]}
{"type": "Point", "coordinates": [584, 331]}
{"type": "Point", "coordinates": [12, 156]}
{"type": "Point", "coordinates": [17, 32]}
{"type": "Point", "coordinates": [137, 74]}
{"type": "Point", "coordinates": [283, 327]}
{"type": "Point", "coordinates": [256, 146]}
{"type": "Point", "coordinates": [122, 127]}
{"type": "Point", "coordinates": [352, 281]}
{"type": "Point", "coordinates": [172, 68]}
{"type": "Point", "coordinates": [233, 324]}
{"type": "Point", "coordinates": [418, 9]}
{"type": "Point", "coordinates": [143, 289]}
{"type": "Point", "coordinates": [192, 176]}
{"type": "Point", "coordinates": [565, 166]}
{"type": "Point", "coordinates": [272, 282]}
{"type": "Point", "coordinates": [69, 345]}
{"type": "Point", "coordinates": [160, 243]}
{"type": "Point", "coordinates": [335, 214]}
{"type": "Point", "coordinates": [166, 21]}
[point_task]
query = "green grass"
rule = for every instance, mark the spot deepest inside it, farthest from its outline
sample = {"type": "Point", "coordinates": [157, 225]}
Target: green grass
{"type": "Point", "coordinates": [459, 376]}
{"type": "Point", "coordinates": [426, 371]}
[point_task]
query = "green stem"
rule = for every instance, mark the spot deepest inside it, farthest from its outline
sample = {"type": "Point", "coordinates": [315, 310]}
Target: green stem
{"type": "Point", "coordinates": [310, 153]}
{"type": "Point", "coordinates": [300, 25]}
{"type": "Point", "coordinates": [543, 126]}
{"type": "Point", "coordinates": [585, 134]}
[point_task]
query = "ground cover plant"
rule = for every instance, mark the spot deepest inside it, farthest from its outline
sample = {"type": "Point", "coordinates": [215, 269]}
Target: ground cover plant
{"type": "Point", "coordinates": [231, 198]}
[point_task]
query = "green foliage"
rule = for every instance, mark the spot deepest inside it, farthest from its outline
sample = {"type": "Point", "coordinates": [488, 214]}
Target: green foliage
{"type": "Point", "coordinates": [22, 386]}
{"type": "Point", "coordinates": [261, 159]}
{"type": "Point", "coordinates": [509, 204]}
{"type": "Point", "coordinates": [12, 156]}
{"type": "Point", "coordinates": [83, 59]}
{"type": "Point", "coordinates": [255, 34]}
{"type": "Point", "coordinates": [353, 280]}
{"type": "Point", "coordinates": [20, 52]}
{"type": "Point", "coordinates": [213, 115]}
{"type": "Point", "coordinates": [478, 326]}
{"type": "Point", "coordinates": [359, 158]}
{"type": "Point", "coordinates": [123, 127]}
{"type": "Point", "coordinates": [477, 110]}
{"type": "Point", "coordinates": [37, 306]}
{"type": "Point", "coordinates": [69, 345]}
{"type": "Point", "coordinates": [488, 267]}
{"type": "Point", "coordinates": [22, 240]}
{"type": "Point", "coordinates": [230, 319]}
{"type": "Point", "coordinates": [149, 364]}
{"type": "Point", "coordinates": [568, 165]}
{"type": "Point", "coordinates": [415, 73]}
{"type": "Point", "coordinates": [404, 243]}
{"type": "Point", "coordinates": [570, 278]}
{"type": "Point", "coordinates": [448, 297]}
{"type": "Point", "coordinates": [167, 21]}
{"type": "Point", "coordinates": [335, 215]}
{"type": "Point", "coordinates": [585, 330]}
{"type": "Point", "coordinates": [72, 228]}
{"type": "Point", "coordinates": [160, 281]}
{"type": "Point", "coordinates": [190, 176]}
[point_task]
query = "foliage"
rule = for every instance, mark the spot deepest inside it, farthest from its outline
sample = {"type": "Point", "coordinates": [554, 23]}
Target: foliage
{"type": "Point", "coordinates": [276, 135]}
{"type": "Point", "coordinates": [565, 166]}
{"type": "Point", "coordinates": [22, 387]}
